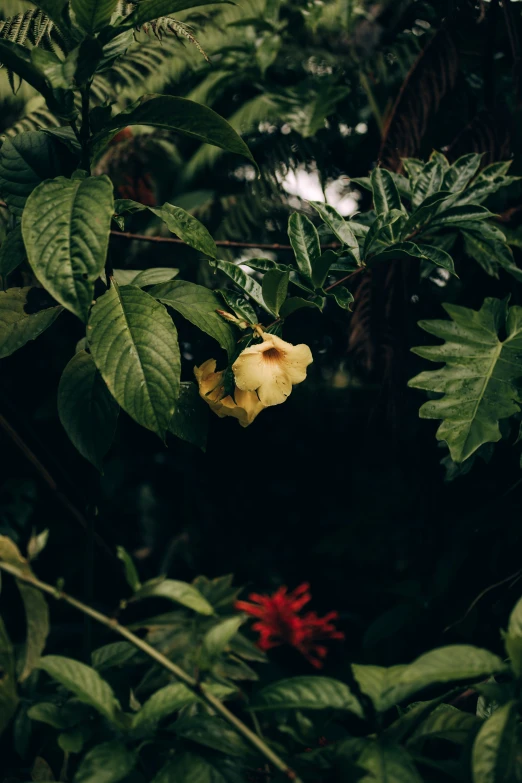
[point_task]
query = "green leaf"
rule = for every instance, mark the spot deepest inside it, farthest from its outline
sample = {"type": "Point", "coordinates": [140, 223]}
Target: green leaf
{"type": "Point", "coordinates": [145, 277]}
{"type": "Point", "coordinates": [447, 723]}
{"type": "Point", "coordinates": [490, 180]}
{"type": "Point", "coordinates": [218, 638]}
{"type": "Point", "coordinates": [198, 305]}
{"type": "Point", "coordinates": [49, 713]}
{"type": "Point", "coordinates": [274, 288]}
{"type": "Point", "coordinates": [342, 296]}
{"type": "Point", "coordinates": [215, 733]}
{"type": "Point", "coordinates": [84, 682]}
{"type": "Point", "coordinates": [65, 225]}
{"type": "Point", "coordinates": [179, 592]}
{"type": "Point", "coordinates": [190, 420]}
{"type": "Point", "coordinates": [429, 180]}
{"type": "Point", "coordinates": [87, 410]}
{"type": "Point", "coordinates": [388, 687]}
{"type": "Point", "coordinates": [153, 9]}
{"type": "Point", "coordinates": [178, 114]}
{"type": "Point", "coordinates": [190, 768]}
{"type": "Point", "coordinates": [405, 250]}
{"type": "Point", "coordinates": [54, 9]}
{"type": "Point", "coordinates": [310, 693]}
{"type": "Point", "coordinates": [187, 228]}
{"type": "Point", "coordinates": [106, 763]}
{"type": "Point", "coordinates": [305, 243]}
{"type": "Point", "coordinates": [294, 303]}
{"type": "Point", "coordinates": [8, 695]}
{"type": "Point", "coordinates": [385, 193]}
{"type": "Point", "coordinates": [267, 51]}
{"type": "Point", "coordinates": [459, 175]}
{"type": "Point", "coordinates": [113, 654]}
{"type": "Point", "coordinates": [71, 741]}
{"type": "Point", "coordinates": [337, 225]}
{"type": "Point", "coordinates": [239, 305]}
{"type": "Point", "coordinates": [244, 281]}
{"type": "Point", "coordinates": [162, 703]}
{"type": "Point", "coordinates": [92, 15]}
{"type": "Point", "coordinates": [384, 231]}
{"type": "Point", "coordinates": [25, 162]}
{"type": "Point", "coordinates": [131, 574]}
{"type": "Point", "coordinates": [17, 58]}
{"type": "Point", "coordinates": [37, 622]}
{"type": "Point", "coordinates": [322, 267]}
{"type": "Point", "coordinates": [17, 326]}
{"type": "Point", "coordinates": [496, 747]}
{"type": "Point", "coordinates": [454, 216]}
{"type": "Point", "coordinates": [59, 73]}
{"type": "Point", "coordinates": [487, 244]}
{"type": "Point", "coordinates": [135, 346]}
{"type": "Point", "coordinates": [12, 251]}
{"type": "Point", "coordinates": [479, 381]}
{"type": "Point", "coordinates": [421, 217]}
{"type": "Point", "coordinates": [515, 620]}
{"type": "Point", "coordinates": [387, 764]}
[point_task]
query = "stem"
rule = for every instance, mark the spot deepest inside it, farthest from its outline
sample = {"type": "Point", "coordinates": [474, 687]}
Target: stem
{"type": "Point", "coordinates": [187, 679]}
{"type": "Point", "coordinates": [85, 130]}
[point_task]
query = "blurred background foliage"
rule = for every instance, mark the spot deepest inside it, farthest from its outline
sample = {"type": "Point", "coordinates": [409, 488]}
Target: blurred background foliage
{"type": "Point", "coordinates": [345, 487]}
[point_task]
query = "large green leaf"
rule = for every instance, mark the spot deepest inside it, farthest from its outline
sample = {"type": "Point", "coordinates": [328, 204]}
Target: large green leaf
{"type": "Point", "coordinates": [487, 244]}
{"type": "Point", "coordinates": [25, 161]}
{"type": "Point", "coordinates": [407, 250]}
{"type": "Point", "coordinates": [447, 723]}
{"type": "Point", "coordinates": [84, 682]}
{"type": "Point", "coordinates": [162, 703]}
{"type": "Point", "coordinates": [17, 326]}
{"type": "Point", "coordinates": [106, 763]}
{"type": "Point", "coordinates": [385, 193]}
{"type": "Point", "coordinates": [190, 420]}
{"type": "Point", "coordinates": [187, 228]}
{"type": "Point", "coordinates": [145, 277]}
{"type": "Point", "coordinates": [179, 592]}
{"type": "Point", "coordinates": [310, 693]}
{"type": "Point", "coordinates": [135, 346]}
{"type": "Point", "coordinates": [217, 639]}
{"type": "Point", "coordinates": [490, 180]}
{"type": "Point", "coordinates": [384, 231]}
{"type": "Point", "coordinates": [387, 764]}
{"type": "Point", "coordinates": [180, 115]}
{"type": "Point", "coordinates": [92, 15]}
{"type": "Point", "coordinates": [191, 768]}
{"type": "Point", "coordinates": [460, 173]}
{"type": "Point", "coordinates": [479, 380]}
{"type": "Point", "coordinates": [275, 287]}
{"type": "Point", "coordinates": [388, 687]}
{"type": "Point", "coordinates": [198, 305]}
{"type": "Point", "coordinates": [496, 747]}
{"type": "Point", "coordinates": [244, 281]}
{"type": "Point", "coordinates": [66, 224]}
{"type": "Point", "coordinates": [305, 243]}
{"type": "Point", "coordinates": [86, 409]}
{"type": "Point", "coordinates": [8, 694]}
{"type": "Point", "coordinates": [152, 9]}
{"type": "Point", "coordinates": [429, 179]}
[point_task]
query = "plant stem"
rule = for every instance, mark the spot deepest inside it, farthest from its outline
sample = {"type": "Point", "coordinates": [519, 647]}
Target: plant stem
{"type": "Point", "coordinates": [187, 679]}
{"type": "Point", "coordinates": [85, 130]}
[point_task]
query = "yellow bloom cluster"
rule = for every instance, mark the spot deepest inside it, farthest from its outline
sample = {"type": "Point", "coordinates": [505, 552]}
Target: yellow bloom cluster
{"type": "Point", "coordinates": [264, 375]}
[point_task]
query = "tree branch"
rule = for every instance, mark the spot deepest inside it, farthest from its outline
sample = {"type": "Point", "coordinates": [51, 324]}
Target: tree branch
{"type": "Point", "coordinates": [197, 688]}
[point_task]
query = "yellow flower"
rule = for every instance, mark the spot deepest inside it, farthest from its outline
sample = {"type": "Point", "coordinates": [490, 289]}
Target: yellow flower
{"type": "Point", "coordinates": [271, 368]}
{"type": "Point", "coordinates": [245, 407]}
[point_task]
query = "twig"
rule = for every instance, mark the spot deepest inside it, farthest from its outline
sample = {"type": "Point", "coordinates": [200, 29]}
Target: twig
{"type": "Point", "coordinates": [197, 688]}
{"type": "Point", "coordinates": [219, 242]}
{"type": "Point", "coordinates": [51, 483]}
{"type": "Point", "coordinates": [481, 595]}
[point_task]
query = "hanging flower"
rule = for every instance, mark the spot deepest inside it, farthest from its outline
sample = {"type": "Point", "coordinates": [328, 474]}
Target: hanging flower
{"type": "Point", "coordinates": [280, 622]}
{"type": "Point", "coordinates": [271, 368]}
{"type": "Point", "coordinates": [244, 405]}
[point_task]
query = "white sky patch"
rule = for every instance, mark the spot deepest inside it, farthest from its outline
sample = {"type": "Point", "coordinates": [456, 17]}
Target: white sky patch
{"type": "Point", "coordinates": [307, 185]}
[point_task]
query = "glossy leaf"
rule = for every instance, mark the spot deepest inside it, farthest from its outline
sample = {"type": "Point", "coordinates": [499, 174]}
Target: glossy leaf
{"type": "Point", "coordinates": [337, 225]}
{"type": "Point", "coordinates": [25, 162]}
{"type": "Point", "coordinates": [406, 250]}
{"type": "Point", "coordinates": [12, 251]}
{"type": "Point", "coordinates": [87, 410]}
{"type": "Point", "coordinates": [454, 216]}
{"type": "Point", "coordinates": [178, 592]}
{"type": "Point", "coordinates": [113, 654]}
{"type": "Point", "coordinates": [487, 244]}
{"type": "Point", "coordinates": [322, 267]}
{"type": "Point", "coordinates": [37, 626]}
{"type": "Point", "coordinates": [65, 226]}
{"type": "Point", "coordinates": [18, 59]}
{"type": "Point", "coordinates": [92, 15]}
{"type": "Point", "coordinates": [342, 296]}
{"type": "Point", "coordinates": [384, 231]}
{"type": "Point", "coordinates": [429, 180]}
{"type": "Point", "coordinates": [479, 380]}
{"type": "Point", "coordinates": [162, 703]}
{"type": "Point", "coordinates": [135, 346]}
{"type": "Point", "coordinates": [178, 114]}
{"type": "Point", "coordinates": [305, 243]}
{"type": "Point", "coordinates": [274, 288]}
{"type": "Point", "coordinates": [425, 213]}
{"type": "Point", "coordinates": [491, 179]}
{"type": "Point", "coordinates": [198, 305]}
{"type": "Point", "coordinates": [84, 682]}
{"type": "Point", "coordinates": [105, 763]}
{"type": "Point", "coordinates": [239, 305]}
{"type": "Point", "coordinates": [447, 723]}
{"type": "Point", "coordinates": [218, 638]}
{"type": "Point", "coordinates": [385, 193]}
{"type": "Point", "coordinates": [187, 228]}
{"type": "Point", "coordinates": [190, 420]}
{"type": "Point", "coordinates": [310, 693]}
{"type": "Point", "coordinates": [495, 750]}
{"type": "Point", "coordinates": [145, 277]}
{"type": "Point", "coordinates": [17, 326]}
{"type": "Point", "coordinates": [387, 764]}
{"type": "Point", "coordinates": [131, 574]}
{"type": "Point", "coordinates": [294, 303]}
{"type": "Point", "coordinates": [460, 173]}
{"type": "Point", "coordinates": [244, 281]}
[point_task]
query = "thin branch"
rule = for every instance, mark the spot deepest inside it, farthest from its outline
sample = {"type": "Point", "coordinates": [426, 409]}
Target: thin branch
{"type": "Point", "coordinates": [511, 578]}
{"type": "Point", "coordinates": [179, 673]}
{"type": "Point", "coordinates": [44, 474]}
{"type": "Point", "coordinates": [219, 242]}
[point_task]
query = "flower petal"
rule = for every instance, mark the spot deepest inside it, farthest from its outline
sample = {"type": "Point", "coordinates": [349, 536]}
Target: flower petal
{"type": "Point", "coordinates": [296, 361]}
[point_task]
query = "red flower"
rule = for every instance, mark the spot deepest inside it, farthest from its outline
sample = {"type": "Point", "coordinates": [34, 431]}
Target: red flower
{"type": "Point", "coordinates": [280, 622]}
